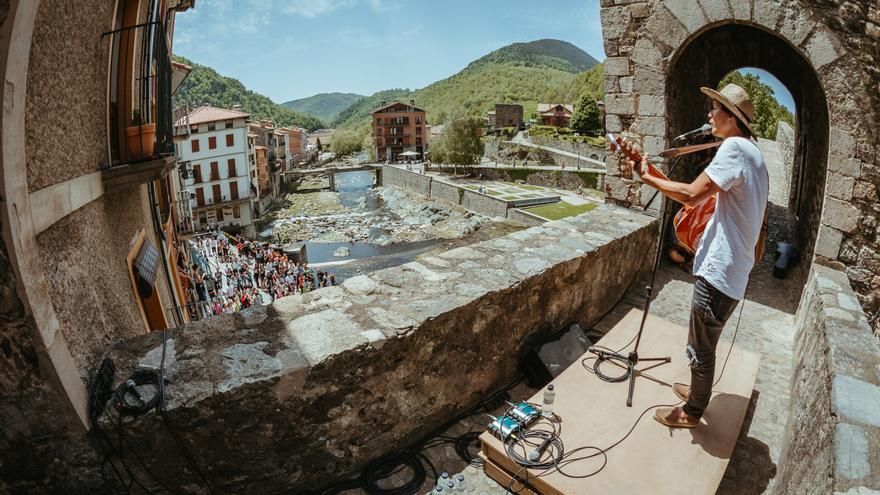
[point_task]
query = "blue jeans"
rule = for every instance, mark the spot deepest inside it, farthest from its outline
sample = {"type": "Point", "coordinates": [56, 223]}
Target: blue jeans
{"type": "Point", "coordinates": [710, 309]}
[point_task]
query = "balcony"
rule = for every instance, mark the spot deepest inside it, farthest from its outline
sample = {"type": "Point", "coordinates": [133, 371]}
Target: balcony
{"type": "Point", "coordinates": [141, 132]}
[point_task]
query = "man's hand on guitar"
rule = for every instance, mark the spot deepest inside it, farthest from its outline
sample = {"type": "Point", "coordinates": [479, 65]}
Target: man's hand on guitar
{"type": "Point", "coordinates": [640, 169]}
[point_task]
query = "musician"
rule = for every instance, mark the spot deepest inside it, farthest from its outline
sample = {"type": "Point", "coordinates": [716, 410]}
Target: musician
{"type": "Point", "coordinates": [726, 252]}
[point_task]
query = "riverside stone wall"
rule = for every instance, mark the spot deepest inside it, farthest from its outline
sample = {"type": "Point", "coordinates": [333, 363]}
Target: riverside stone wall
{"type": "Point", "coordinates": [314, 386]}
{"type": "Point", "coordinates": [405, 179]}
{"type": "Point", "coordinates": [833, 431]}
{"type": "Point", "coordinates": [446, 192]}
{"type": "Point", "coordinates": [525, 217]}
{"type": "Point", "coordinates": [483, 204]}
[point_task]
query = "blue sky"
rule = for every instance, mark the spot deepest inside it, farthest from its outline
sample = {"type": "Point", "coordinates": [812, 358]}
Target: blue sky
{"type": "Point", "coordinates": [289, 49]}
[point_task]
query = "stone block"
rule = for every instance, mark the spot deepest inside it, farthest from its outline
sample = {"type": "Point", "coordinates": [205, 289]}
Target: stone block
{"type": "Point", "coordinates": [796, 24]}
{"type": "Point", "coordinates": [741, 9]}
{"type": "Point", "coordinates": [648, 54]}
{"type": "Point", "coordinates": [653, 145]}
{"type": "Point", "coordinates": [625, 84]}
{"type": "Point", "coordinates": [685, 11]}
{"type": "Point", "coordinates": [640, 10]}
{"type": "Point", "coordinates": [767, 13]}
{"type": "Point", "coordinates": [865, 190]}
{"type": "Point", "coordinates": [649, 81]}
{"type": "Point", "coordinates": [616, 21]}
{"type": "Point", "coordinates": [842, 142]}
{"type": "Point", "coordinates": [851, 398]}
{"type": "Point", "coordinates": [612, 123]}
{"type": "Point", "coordinates": [612, 84]}
{"type": "Point", "coordinates": [652, 105]}
{"type": "Point", "coordinates": [823, 48]}
{"type": "Point", "coordinates": [650, 126]}
{"type": "Point", "coordinates": [620, 104]}
{"type": "Point", "coordinates": [839, 186]}
{"type": "Point", "coordinates": [717, 10]}
{"type": "Point", "coordinates": [321, 335]}
{"type": "Point", "coordinates": [612, 47]}
{"type": "Point", "coordinates": [828, 242]}
{"type": "Point", "coordinates": [841, 215]}
{"type": "Point", "coordinates": [851, 451]}
{"type": "Point", "coordinates": [616, 66]}
{"type": "Point", "coordinates": [666, 27]}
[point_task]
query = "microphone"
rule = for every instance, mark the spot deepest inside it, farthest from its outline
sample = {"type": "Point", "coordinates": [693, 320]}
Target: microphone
{"type": "Point", "coordinates": [704, 130]}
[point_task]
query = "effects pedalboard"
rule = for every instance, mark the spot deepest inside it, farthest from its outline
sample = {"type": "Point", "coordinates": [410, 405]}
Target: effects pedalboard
{"type": "Point", "coordinates": [517, 418]}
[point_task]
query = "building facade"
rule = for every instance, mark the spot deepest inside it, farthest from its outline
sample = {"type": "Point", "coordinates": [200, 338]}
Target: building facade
{"type": "Point", "coordinates": [506, 115]}
{"type": "Point", "coordinates": [399, 128]}
{"type": "Point", "coordinates": [555, 114]}
{"type": "Point", "coordinates": [219, 184]}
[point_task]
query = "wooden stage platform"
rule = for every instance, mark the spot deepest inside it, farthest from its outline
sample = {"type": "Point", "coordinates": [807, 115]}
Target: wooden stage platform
{"type": "Point", "coordinates": [653, 459]}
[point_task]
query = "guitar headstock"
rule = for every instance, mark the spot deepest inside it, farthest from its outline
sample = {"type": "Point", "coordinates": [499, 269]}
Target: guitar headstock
{"type": "Point", "coordinates": [620, 143]}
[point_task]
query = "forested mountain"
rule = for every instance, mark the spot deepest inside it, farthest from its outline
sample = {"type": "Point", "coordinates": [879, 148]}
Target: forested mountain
{"type": "Point", "coordinates": [524, 73]}
{"type": "Point", "coordinates": [324, 106]}
{"type": "Point", "coordinates": [205, 85]}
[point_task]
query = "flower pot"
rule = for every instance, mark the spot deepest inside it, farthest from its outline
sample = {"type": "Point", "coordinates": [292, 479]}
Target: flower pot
{"type": "Point", "coordinates": [141, 141]}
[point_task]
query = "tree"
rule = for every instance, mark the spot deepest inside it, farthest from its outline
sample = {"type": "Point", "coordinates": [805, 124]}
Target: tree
{"type": "Point", "coordinates": [345, 143]}
{"type": "Point", "coordinates": [318, 143]}
{"type": "Point", "coordinates": [461, 141]}
{"type": "Point", "coordinates": [586, 116]}
{"type": "Point", "coordinates": [768, 111]}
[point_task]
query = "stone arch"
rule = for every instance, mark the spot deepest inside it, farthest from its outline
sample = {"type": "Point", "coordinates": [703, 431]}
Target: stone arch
{"type": "Point", "coordinates": [19, 233]}
{"type": "Point", "coordinates": [646, 45]}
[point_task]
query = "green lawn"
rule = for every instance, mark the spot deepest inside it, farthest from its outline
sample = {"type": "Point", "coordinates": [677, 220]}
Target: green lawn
{"type": "Point", "coordinates": [560, 210]}
{"type": "Point", "coordinates": [510, 198]}
{"type": "Point", "coordinates": [492, 192]}
{"type": "Point", "coordinates": [472, 188]}
{"type": "Point", "coordinates": [531, 188]}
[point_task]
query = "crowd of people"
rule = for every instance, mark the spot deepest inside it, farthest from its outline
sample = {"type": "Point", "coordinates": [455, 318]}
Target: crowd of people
{"type": "Point", "coordinates": [241, 273]}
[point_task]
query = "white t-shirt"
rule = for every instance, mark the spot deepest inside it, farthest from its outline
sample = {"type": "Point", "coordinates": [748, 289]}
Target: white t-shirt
{"type": "Point", "coordinates": [726, 253]}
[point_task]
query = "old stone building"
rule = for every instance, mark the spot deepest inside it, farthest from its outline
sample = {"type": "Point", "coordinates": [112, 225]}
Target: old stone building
{"type": "Point", "coordinates": [506, 115]}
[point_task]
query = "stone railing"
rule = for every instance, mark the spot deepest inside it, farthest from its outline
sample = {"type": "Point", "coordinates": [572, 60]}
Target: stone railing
{"type": "Point", "coordinates": [833, 432]}
{"type": "Point", "coordinates": [307, 390]}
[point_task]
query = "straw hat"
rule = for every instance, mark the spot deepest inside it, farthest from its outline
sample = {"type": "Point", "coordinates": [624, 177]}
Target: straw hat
{"type": "Point", "coordinates": [736, 100]}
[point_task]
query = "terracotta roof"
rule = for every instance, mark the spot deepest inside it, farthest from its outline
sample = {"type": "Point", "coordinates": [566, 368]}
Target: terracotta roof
{"type": "Point", "coordinates": [397, 103]}
{"type": "Point", "coordinates": [546, 107]}
{"type": "Point", "coordinates": [207, 113]}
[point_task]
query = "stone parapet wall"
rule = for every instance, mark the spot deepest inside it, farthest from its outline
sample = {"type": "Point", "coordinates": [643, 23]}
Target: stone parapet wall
{"type": "Point", "coordinates": [584, 149]}
{"type": "Point", "coordinates": [833, 430]}
{"type": "Point", "coordinates": [314, 386]}
{"type": "Point", "coordinates": [405, 179]}
{"type": "Point", "coordinates": [525, 217]}
{"type": "Point", "coordinates": [483, 204]}
{"type": "Point", "coordinates": [447, 192]}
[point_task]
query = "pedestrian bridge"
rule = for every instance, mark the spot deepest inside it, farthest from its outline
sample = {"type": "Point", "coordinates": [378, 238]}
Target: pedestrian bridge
{"type": "Point", "coordinates": [331, 171]}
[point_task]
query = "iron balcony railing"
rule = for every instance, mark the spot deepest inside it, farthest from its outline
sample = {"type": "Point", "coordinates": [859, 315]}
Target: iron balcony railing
{"type": "Point", "coordinates": [141, 118]}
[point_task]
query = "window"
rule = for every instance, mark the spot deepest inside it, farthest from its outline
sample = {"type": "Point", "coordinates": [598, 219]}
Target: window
{"type": "Point", "coordinates": [200, 196]}
{"type": "Point", "coordinates": [419, 130]}
{"type": "Point", "coordinates": [219, 214]}
{"type": "Point", "coordinates": [230, 140]}
{"type": "Point", "coordinates": [418, 141]}
{"type": "Point", "coordinates": [195, 145]}
{"type": "Point", "coordinates": [212, 126]}
{"type": "Point", "coordinates": [378, 121]}
{"type": "Point", "coordinates": [216, 192]}
{"type": "Point", "coordinates": [233, 190]}
{"type": "Point", "coordinates": [215, 171]}
{"type": "Point", "coordinates": [418, 120]}
{"type": "Point", "coordinates": [230, 166]}
{"type": "Point", "coordinates": [229, 124]}
{"type": "Point", "coordinates": [197, 173]}
{"type": "Point", "coordinates": [236, 211]}
{"type": "Point", "coordinates": [194, 129]}
{"type": "Point", "coordinates": [212, 143]}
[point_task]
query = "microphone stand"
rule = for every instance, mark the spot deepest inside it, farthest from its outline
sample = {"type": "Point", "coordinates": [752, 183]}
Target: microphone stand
{"type": "Point", "coordinates": [632, 359]}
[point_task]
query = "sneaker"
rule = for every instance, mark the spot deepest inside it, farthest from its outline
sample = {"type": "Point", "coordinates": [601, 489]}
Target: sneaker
{"type": "Point", "coordinates": [681, 391]}
{"type": "Point", "coordinates": [675, 417]}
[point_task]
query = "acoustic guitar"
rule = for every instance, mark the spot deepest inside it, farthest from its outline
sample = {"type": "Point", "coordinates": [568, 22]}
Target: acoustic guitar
{"type": "Point", "coordinates": [690, 221]}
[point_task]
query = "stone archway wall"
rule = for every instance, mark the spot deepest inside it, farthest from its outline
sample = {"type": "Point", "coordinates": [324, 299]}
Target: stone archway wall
{"type": "Point", "coordinates": [841, 43]}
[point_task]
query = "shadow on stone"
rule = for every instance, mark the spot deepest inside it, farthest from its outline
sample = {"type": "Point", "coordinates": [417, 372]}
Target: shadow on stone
{"type": "Point", "coordinates": [751, 468]}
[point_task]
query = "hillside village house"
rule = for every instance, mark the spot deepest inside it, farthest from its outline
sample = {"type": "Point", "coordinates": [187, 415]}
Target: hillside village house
{"type": "Point", "coordinates": [297, 140]}
{"type": "Point", "coordinates": [270, 158]}
{"type": "Point", "coordinates": [325, 136]}
{"type": "Point", "coordinates": [217, 152]}
{"type": "Point", "coordinates": [505, 115]}
{"type": "Point", "coordinates": [555, 114]}
{"type": "Point", "coordinates": [399, 128]}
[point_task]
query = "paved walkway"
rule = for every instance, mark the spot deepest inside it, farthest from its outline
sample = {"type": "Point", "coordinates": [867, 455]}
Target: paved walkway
{"type": "Point", "coordinates": [519, 139]}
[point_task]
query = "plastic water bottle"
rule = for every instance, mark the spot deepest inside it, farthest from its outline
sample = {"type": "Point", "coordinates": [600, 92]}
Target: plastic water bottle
{"type": "Point", "coordinates": [549, 397]}
{"type": "Point", "coordinates": [450, 486]}
{"type": "Point", "coordinates": [460, 485]}
{"type": "Point", "coordinates": [438, 490]}
{"type": "Point", "coordinates": [441, 481]}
